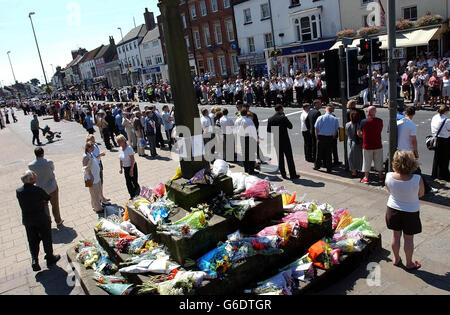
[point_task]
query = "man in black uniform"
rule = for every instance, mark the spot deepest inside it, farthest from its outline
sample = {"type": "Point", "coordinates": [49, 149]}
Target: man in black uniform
{"type": "Point", "coordinates": [283, 142]}
{"type": "Point", "coordinates": [32, 200]}
{"type": "Point", "coordinates": [310, 122]}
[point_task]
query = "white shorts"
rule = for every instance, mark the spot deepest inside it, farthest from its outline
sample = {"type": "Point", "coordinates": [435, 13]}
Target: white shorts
{"type": "Point", "coordinates": [372, 155]}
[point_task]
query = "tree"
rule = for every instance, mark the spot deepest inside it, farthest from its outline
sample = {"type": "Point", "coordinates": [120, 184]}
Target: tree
{"type": "Point", "coordinates": [35, 82]}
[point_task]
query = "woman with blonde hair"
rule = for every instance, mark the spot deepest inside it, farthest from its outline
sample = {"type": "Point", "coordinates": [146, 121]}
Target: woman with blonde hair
{"type": "Point", "coordinates": [402, 215]}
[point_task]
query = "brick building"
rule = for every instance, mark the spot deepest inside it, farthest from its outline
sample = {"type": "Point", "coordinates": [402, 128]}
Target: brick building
{"type": "Point", "coordinates": [210, 36]}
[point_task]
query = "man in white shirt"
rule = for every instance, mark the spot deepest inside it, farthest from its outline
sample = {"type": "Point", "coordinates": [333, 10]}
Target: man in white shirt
{"type": "Point", "coordinates": [407, 139]}
{"type": "Point", "coordinates": [307, 141]}
{"type": "Point", "coordinates": [227, 126]}
{"type": "Point", "coordinates": [246, 132]}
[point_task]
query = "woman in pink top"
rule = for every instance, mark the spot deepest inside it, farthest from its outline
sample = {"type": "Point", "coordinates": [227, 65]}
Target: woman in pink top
{"type": "Point", "coordinates": [435, 88]}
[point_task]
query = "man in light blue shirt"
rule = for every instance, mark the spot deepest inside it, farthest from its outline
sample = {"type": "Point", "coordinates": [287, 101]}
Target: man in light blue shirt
{"type": "Point", "coordinates": [326, 129]}
{"type": "Point", "coordinates": [120, 126]}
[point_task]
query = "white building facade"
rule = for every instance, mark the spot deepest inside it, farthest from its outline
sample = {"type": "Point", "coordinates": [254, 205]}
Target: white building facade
{"type": "Point", "coordinates": [303, 31]}
{"type": "Point", "coordinates": [154, 67]}
{"type": "Point", "coordinates": [254, 33]}
{"type": "Point", "coordinates": [130, 54]}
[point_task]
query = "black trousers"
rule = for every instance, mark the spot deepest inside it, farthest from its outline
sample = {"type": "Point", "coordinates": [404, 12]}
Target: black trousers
{"type": "Point", "coordinates": [335, 151]}
{"type": "Point", "coordinates": [285, 150]}
{"type": "Point", "coordinates": [36, 234]}
{"type": "Point", "coordinates": [248, 148]}
{"type": "Point", "coordinates": [313, 147]}
{"type": "Point", "coordinates": [324, 152]}
{"type": "Point", "coordinates": [36, 136]}
{"type": "Point", "coordinates": [159, 138]}
{"type": "Point", "coordinates": [307, 145]}
{"type": "Point", "coordinates": [106, 138]}
{"type": "Point", "coordinates": [299, 95]}
{"type": "Point", "coordinates": [169, 138]}
{"type": "Point", "coordinates": [441, 159]}
{"type": "Point", "coordinates": [132, 182]}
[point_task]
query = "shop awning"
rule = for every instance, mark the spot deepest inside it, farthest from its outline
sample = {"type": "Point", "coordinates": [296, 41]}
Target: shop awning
{"type": "Point", "coordinates": [307, 48]}
{"type": "Point", "coordinates": [413, 38]}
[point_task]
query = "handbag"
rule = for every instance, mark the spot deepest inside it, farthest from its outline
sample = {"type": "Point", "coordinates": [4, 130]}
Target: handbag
{"type": "Point", "coordinates": [88, 183]}
{"type": "Point", "coordinates": [431, 141]}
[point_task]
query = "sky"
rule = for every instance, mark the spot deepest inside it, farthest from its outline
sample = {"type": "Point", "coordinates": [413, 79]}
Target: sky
{"type": "Point", "coordinates": [61, 26]}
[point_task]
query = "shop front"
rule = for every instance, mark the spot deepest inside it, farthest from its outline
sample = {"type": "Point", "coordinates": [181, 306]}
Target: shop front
{"type": "Point", "coordinates": [151, 75]}
{"type": "Point", "coordinates": [302, 58]}
{"type": "Point", "coordinates": [252, 65]}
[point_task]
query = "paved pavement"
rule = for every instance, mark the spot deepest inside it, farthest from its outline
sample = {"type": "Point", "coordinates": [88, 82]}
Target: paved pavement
{"type": "Point", "coordinates": [432, 248]}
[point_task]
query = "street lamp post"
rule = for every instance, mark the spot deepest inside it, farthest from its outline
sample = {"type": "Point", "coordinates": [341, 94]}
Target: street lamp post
{"type": "Point", "coordinates": [40, 58]}
{"type": "Point", "coordinates": [11, 66]}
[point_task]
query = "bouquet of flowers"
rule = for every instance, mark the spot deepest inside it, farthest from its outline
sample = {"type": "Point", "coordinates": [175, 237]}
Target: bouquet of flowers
{"type": "Point", "coordinates": [319, 253]}
{"type": "Point", "coordinates": [301, 217]}
{"type": "Point", "coordinates": [259, 190]}
{"type": "Point", "coordinates": [160, 265]}
{"type": "Point", "coordinates": [105, 266]}
{"type": "Point", "coordinates": [302, 269]}
{"type": "Point", "coordinates": [116, 288]}
{"type": "Point", "coordinates": [337, 216]}
{"type": "Point", "coordinates": [146, 193]}
{"type": "Point", "coordinates": [190, 224]}
{"type": "Point", "coordinates": [202, 177]}
{"type": "Point", "coordinates": [280, 284]}
{"type": "Point", "coordinates": [315, 216]}
{"type": "Point", "coordinates": [160, 190]}
{"type": "Point", "coordinates": [361, 225]}
{"type": "Point", "coordinates": [105, 279]}
{"type": "Point", "coordinates": [283, 231]}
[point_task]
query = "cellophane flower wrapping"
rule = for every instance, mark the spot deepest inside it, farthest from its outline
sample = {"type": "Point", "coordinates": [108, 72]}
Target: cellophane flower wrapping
{"type": "Point", "coordinates": [301, 217]}
{"type": "Point", "coordinates": [105, 266]}
{"type": "Point", "coordinates": [220, 167]}
{"type": "Point", "coordinates": [129, 227]}
{"type": "Point", "coordinates": [106, 279]}
{"type": "Point", "coordinates": [336, 217]}
{"type": "Point", "coordinates": [319, 253]}
{"type": "Point", "coordinates": [105, 225]}
{"type": "Point", "coordinates": [345, 220]}
{"type": "Point", "coordinates": [202, 177]}
{"type": "Point", "coordinates": [361, 225]}
{"type": "Point", "coordinates": [280, 284]}
{"type": "Point", "coordinates": [315, 216]}
{"type": "Point", "coordinates": [184, 283]}
{"type": "Point", "coordinates": [302, 268]}
{"type": "Point", "coordinates": [116, 288]}
{"type": "Point", "coordinates": [160, 190]}
{"type": "Point", "coordinates": [161, 266]}
{"type": "Point", "coordinates": [259, 190]}
{"type": "Point", "coordinates": [188, 225]}
{"type": "Point", "coordinates": [283, 231]}
{"type": "Point", "coordinates": [88, 253]}
{"type": "Point", "coordinates": [159, 210]}
{"type": "Point", "coordinates": [146, 193]}
{"type": "Point", "coordinates": [178, 174]}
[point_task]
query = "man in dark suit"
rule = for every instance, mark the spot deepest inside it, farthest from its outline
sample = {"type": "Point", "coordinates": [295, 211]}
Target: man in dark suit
{"type": "Point", "coordinates": [283, 143]}
{"type": "Point", "coordinates": [32, 200]}
{"type": "Point", "coordinates": [310, 121]}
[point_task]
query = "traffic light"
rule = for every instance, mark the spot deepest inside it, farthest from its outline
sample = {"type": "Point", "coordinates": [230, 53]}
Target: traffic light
{"type": "Point", "coordinates": [354, 74]}
{"type": "Point", "coordinates": [364, 51]}
{"type": "Point", "coordinates": [376, 50]}
{"type": "Point", "coordinates": [331, 65]}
